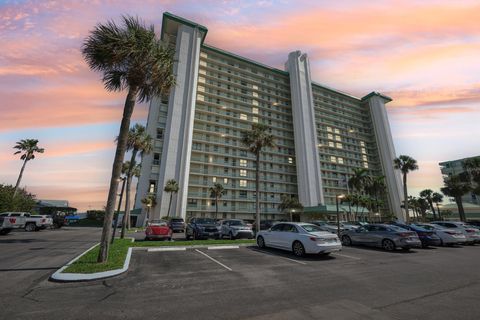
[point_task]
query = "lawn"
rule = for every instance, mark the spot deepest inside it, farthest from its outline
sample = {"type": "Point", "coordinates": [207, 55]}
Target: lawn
{"type": "Point", "coordinates": [118, 252]}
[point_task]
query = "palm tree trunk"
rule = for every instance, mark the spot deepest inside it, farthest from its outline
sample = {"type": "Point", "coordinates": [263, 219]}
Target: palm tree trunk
{"type": "Point", "coordinates": [433, 210]}
{"type": "Point", "coordinates": [438, 211]}
{"type": "Point", "coordinates": [405, 196]}
{"type": "Point", "coordinates": [461, 211]}
{"type": "Point", "coordinates": [19, 177]}
{"type": "Point", "coordinates": [169, 204]}
{"type": "Point", "coordinates": [116, 171]}
{"type": "Point", "coordinates": [257, 190]}
{"type": "Point", "coordinates": [126, 215]}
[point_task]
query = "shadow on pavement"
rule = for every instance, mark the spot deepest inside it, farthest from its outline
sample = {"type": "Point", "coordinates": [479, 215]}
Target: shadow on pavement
{"type": "Point", "coordinates": [289, 255]}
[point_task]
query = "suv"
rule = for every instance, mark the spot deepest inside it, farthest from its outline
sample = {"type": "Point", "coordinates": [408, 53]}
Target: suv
{"type": "Point", "coordinates": [177, 224]}
{"type": "Point", "coordinates": [235, 228]}
{"type": "Point", "coordinates": [201, 228]}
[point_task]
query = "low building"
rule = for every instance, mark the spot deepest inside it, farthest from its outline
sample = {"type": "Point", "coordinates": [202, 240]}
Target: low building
{"type": "Point", "coordinates": [457, 167]}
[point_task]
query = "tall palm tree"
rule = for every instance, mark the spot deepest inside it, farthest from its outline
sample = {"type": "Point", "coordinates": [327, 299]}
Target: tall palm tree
{"type": "Point", "coordinates": [216, 192]}
{"type": "Point", "coordinates": [171, 187]}
{"type": "Point", "coordinates": [131, 57]}
{"type": "Point", "coordinates": [150, 201]}
{"type": "Point", "coordinates": [28, 148]}
{"type": "Point", "coordinates": [455, 187]}
{"type": "Point", "coordinates": [289, 203]}
{"type": "Point", "coordinates": [138, 140]}
{"type": "Point", "coordinates": [437, 198]}
{"type": "Point", "coordinates": [427, 194]}
{"type": "Point", "coordinates": [359, 179]}
{"type": "Point", "coordinates": [375, 187]}
{"type": "Point", "coordinates": [405, 164]}
{"type": "Point", "coordinates": [129, 173]}
{"type": "Point", "coordinates": [256, 141]}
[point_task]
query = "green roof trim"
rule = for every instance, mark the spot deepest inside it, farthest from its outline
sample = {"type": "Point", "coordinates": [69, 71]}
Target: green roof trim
{"type": "Point", "coordinates": [373, 93]}
{"type": "Point", "coordinates": [169, 16]}
{"type": "Point", "coordinates": [232, 55]}
{"type": "Point", "coordinates": [316, 84]}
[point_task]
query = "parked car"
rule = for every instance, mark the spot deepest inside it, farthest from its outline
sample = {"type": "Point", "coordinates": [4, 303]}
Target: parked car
{"type": "Point", "coordinates": [300, 238]}
{"type": "Point", "coordinates": [235, 228]}
{"type": "Point", "coordinates": [388, 237]}
{"type": "Point", "coordinates": [32, 222]}
{"type": "Point", "coordinates": [177, 224]}
{"type": "Point", "coordinates": [327, 226]}
{"type": "Point", "coordinates": [9, 222]}
{"type": "Point", "coordinates": [447, 237]}
{"type": "Point", "coordinates": [472, 233]}
{"type": "Point", "coordinates": [202, 228]}
{"type": "Point", "coordinates": [427, 237]}
{"type": "Point", "coordinates": [158, 229]}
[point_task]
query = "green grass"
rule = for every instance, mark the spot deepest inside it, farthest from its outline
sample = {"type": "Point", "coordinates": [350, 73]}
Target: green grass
{"type": "Point", "coordinates": [118, 252]}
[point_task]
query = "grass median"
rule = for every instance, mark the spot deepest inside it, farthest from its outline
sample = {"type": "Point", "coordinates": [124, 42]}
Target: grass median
{"type": "Point", "coordinates": [118, 252]}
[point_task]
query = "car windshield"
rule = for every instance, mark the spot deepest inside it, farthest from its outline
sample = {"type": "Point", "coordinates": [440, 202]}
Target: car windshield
{"type": "Point", "coordinates": [424, 226]}
{"type": "Point", "coordinates": [205, 221]}
{"type": "Point", "coordinates": [397, 229]}
{"type": "Point", "coordinates": [177, 220]}
{"type": "Point", "coordinates": [237, 223]}
{"type": "Point", "coordinates": [311, 228]}
{"type": "Point", "coordinates": [158, 223]}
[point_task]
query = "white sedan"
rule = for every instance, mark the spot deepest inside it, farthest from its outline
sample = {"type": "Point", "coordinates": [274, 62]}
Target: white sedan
{"type": "Point", "coordinates": [300, 238]}
{"type": "Point", "coordinates": [447, 236]}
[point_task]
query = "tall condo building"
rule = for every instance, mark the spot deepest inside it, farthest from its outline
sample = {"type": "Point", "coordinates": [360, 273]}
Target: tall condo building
{"type": "Point", "coordinates": [321, 134]}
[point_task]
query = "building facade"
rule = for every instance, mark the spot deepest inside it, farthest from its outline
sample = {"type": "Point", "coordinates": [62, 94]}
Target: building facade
{"type": "Point", "coordinates": [456, 167]}
{"type": "Point", "coordinates": [321, 134]}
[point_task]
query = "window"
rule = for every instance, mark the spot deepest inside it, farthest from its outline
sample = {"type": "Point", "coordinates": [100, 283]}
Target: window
{"type": "Point", "coordinates": [365, 165]}
{"type": "Point", "coordinates": [364, 150]}
{"type": "Point", "coordinates": [156, 159]}
{"type": "Point", "coordinates": [225, 180]}
{"type": "Point", "coordinates": [243, 194]}
{"type": "Point", "coordinates": [243, 183]}
{"type": "Point", "coordinates": [243, 163]}
{"type": "Point", "coordinates": [333, 159]}
{"type": "Point", "coordinates": [362, 143]}
{"type": "Point", "coordinates": [337, 131]}
{"type": "Point", "coordinates": [159, 133]}
{"type": "Point", "coordinates": [338, 138]}
{"type": "Point", "coordinates": [255, 110]}
{"type": "Point", "coordinates": [290, 160]}
{"type": "Point", "coordinates": [339, 145]}
{"type": "Point", "coordinates": [330, 136]}
{"type": "Point", "coordinates": [152, 188]}
{"type": "Point", "coordinates": [214, 179]}
{"type": "Point", "coordinates": [255, 119]}
{"type": "Point", "coordinates": [243, 173]}
{"type": "Point", "coordinates": [329, 129]}
{"type": "Point", "coordinates": [331, 144]}
{"type": "Point", "coordinates": [243, 116]}
{"type": "Point", "coordinates": [340, 160]}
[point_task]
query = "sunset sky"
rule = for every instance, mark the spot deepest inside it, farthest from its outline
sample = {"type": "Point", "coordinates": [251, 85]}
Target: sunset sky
{"type": "Point", "coordinates": [423, 54]}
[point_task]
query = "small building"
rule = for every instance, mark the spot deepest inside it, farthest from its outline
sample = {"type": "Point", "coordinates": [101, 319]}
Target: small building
{"type": "Point", "coordinates": [456, 167]}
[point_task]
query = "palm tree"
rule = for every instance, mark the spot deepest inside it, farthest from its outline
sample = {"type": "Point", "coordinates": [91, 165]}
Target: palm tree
{"type": "Point", "coordinates": [150, 201]}
{"type": "Point", "coordinates": [129, 172]}
{"type": "Point", "coordinates": [171, 187]}
{"type": "Point", "coordinates": [455, 187]}
{"type": "Point", "coordinates": [131, 57]}
{"type": "Point", "coordinates": [359, 179]}
{"type": "Point", "coordinates": [28, 148]}
{"type": "Point", "coordinates": [472, 168]}
{"type": "Point", "coordinates": [405, 164]}
{"type": "Point", "coordinates": [256, 140]}
{"type": "Point", "coordinates": [375, 187]}
{"type": "Point", "coordinates": [216, 192]}
{"type": "Point", "coordinates": [289, 203]}
{"type": "Point", "coordinates": [138, 140]}
{"type": "Point", "coordinates": [427, 194]}
{"type": "Point", "coordinates": [437, 198]}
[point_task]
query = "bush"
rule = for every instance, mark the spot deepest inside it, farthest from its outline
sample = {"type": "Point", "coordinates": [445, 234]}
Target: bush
{"type": "Point", "coordinates": [23, 201]}
{"type": "Point", "coordinates": [97, 215]}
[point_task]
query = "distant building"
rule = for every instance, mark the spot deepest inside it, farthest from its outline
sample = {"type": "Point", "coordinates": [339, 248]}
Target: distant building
{"type": "Point", "coordinates": [52, 207]}
{"type": "Point", "coordinates": [321, 134]}
{"type": "Point", "coordinates": [456, 167]}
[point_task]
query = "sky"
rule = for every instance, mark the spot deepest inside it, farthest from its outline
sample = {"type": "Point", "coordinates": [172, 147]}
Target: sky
{"type": "Point", "coordinates": [423, 54]}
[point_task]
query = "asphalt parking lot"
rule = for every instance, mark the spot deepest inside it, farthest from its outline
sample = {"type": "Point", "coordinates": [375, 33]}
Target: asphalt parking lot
{"type": "Point", "coordinates": [249, 283]}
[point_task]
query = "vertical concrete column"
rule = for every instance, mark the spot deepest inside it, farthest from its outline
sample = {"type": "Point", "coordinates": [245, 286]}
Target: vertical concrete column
{"type": "Point", "coordinates": [309, 179]}
{"type": "Point", "coordinates": [386, 151]}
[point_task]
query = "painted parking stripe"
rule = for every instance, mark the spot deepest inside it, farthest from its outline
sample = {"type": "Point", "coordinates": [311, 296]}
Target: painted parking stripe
{"type": "Point", "coordinates": [166, 249]}
{"type": "Point", "coordinates": [266, 252]}
{"type": "Point", "coordinates": [345, 256]}
{"type": "Point", "coordinates": [222, 247]}
{"type": "Point", "coordinates": [214, 260]}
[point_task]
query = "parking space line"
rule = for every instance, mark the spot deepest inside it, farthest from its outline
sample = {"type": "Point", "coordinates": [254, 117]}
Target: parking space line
{"type": "Point", "coordinates": [216, 261]}
{"type": "Point", "coordinates": [223, 247]}
{"type": "Point", "coordinates": [345, 256]}
{"type": "Point", "coordinates": [293, 260]}
{"type": "Point", "coordinates": [166, 249]}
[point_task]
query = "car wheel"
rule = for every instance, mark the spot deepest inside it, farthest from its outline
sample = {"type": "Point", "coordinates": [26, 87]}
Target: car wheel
{"type": "Point", "coordinates": [388, 245]}
{"type": "Point", "coordinates": [346, 241]}
{"type": "Point", "coordinates": [261, 242]}
{"type": "Point", "coordinates": [30, 227]}
{"type": "Point", "coordinates": [232, 237]}
{"type": "Point", "coordinates": [298, 249]}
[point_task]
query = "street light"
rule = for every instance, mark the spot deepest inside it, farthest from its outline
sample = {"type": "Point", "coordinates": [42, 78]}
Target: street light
{"type": "Point", "coordinates": [338, 196]}
{"type": "Point", "coordinates": [118, 208]}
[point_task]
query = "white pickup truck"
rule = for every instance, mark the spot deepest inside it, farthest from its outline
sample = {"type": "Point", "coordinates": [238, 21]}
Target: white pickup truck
{"type": "Point", "coordinates": [32, 222]}
{"type": "Point", "coordinates": [9, 222]}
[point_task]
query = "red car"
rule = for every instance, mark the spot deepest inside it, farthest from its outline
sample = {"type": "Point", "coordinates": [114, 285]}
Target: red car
{"type": "Point", "coordinates": [158, 229]}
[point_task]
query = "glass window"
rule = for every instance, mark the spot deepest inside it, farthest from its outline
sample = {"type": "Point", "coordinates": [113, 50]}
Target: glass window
{"type": "Point", "coordinates": [159, 133]}
{"type": "Point", "coordinates": [225, 180]}
{"type": "Point", "coordinates": [243, 173]}
{"type": "Point", "coordinates": [329, 129]}
{"type": "Point", "coordinates": [339, 145]}
{"type": "Point", "coordinates": [243, 163]}
{"type": "Point", "coordinates": [243, 116]}
{"type": "Point", "coordinates": [255, 110]}
{"type": "Point", "coordinates": [277, 227]}
{"type": "Point", "coordinates": [255, 119]}
{"type": "Point", "coordinates": [243, 183]}
{"type": "Point", "coordinates": [340, 160]}
{"type": "Point", "coordinates": [214, 179]}
{"type": "Point", "coordinates": [290, 160]}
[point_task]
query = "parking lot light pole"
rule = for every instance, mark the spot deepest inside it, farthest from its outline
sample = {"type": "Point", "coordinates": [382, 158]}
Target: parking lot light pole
{"type": "Point", "coordinates": [338, 196]}
{"type": "Point", "coordinates": [118, 208]}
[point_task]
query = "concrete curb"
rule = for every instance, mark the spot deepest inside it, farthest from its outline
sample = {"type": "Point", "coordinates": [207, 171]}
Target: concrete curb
{"type": "Point", "coordinates": [61, 276]}
{"type": "Point", "coordinates": [193, 247]}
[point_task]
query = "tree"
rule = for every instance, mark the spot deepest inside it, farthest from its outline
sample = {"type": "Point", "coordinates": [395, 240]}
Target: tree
{"type": "Point", "coordinates": [23, 200]}
{"type": "Point", "coordinates": [129, 171]}
{"type": "Point", "coordinates": [216, 192]}
{"type": "Point", "coordinates": [472, 172]}
{"type": "Point", "coordinates": [437, 198]}
{"type": "Point", "coordinates": [427, 194]}
{"type": "Point", "coordinates": [256, 141]}
{"type": "Point", "coordinates": [375, 187]}
{"type": "Point", "coordinates": [138, 140]}
{"type": "Point", "coordinates": [405, 164]}
{"type": "Point", "coordinates": [132, 58]}
{"type": "Point", "coordinates": [289, 203]}
{"type": "Point", "coordinates": [171, 187]}
{"type": "Point", "coordinates": [28, 148]}
{"type": "Point", "coordinates": [359, 179]}
{"type": "Point", "coordinates": [455, 187]}
{"type": "Point", "coordinates": [150, 201]}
